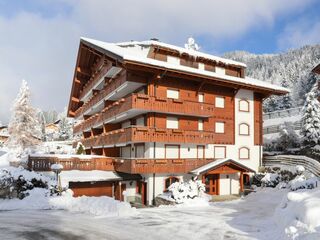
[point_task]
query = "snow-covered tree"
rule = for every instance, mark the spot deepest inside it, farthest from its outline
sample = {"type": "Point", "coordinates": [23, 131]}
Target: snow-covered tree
{"type": "Point", "coordinates": [288, 137]}
{"type": "Point", "coordinates": [65, 126]}
{"type": "Point", "coordinates": [311, 118]}
{"type": "Point", "coordinates": [191, 44]}
{"type": "Point", "coordinates": [24, 128]}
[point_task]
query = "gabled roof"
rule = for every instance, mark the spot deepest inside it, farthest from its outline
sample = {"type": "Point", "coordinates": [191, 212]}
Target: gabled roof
{"type": "Point", "coordinates": [316, 69]}
{"type": "Point", "coordinates": [218, 163]}
{"type": "Point", "coordinates": [136, 53]}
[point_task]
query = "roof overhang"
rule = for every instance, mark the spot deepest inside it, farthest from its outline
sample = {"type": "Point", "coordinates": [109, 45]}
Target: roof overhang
{"type": "Point", "coordinates": [217, 80]}
{"type": "Point", "coordinates": [221, 162]}
{"type": "Point", "coordinates": [316, 69]}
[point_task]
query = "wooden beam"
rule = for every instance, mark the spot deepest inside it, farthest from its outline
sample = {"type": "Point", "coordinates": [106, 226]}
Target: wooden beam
{"type": "Point", "coordinates": [74, 99]}
{"type": "Point", "coordinates": [71, 113]}
{"type": "Point", "coordinates": [79, 70]}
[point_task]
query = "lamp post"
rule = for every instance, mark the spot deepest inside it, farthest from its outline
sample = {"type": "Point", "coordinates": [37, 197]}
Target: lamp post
{"type": "Point", "coordinates": [57, 168]}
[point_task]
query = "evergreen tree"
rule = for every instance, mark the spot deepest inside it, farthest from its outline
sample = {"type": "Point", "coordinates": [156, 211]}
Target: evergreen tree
{"type": "Point", "coordinates": [311, 118]}
{"type": "Point", "coordinates": [24, 129]}
{"type": "Point", "coordinates": [80, 149]}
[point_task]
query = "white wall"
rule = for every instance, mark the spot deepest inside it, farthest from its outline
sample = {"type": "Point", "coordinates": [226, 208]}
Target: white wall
{"type": "Point", "coordinates": [160, 183]}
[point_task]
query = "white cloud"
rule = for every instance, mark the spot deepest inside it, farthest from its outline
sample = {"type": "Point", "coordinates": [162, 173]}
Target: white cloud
{"type": "Point", "coordinates": [300, 33]}
{"type": "Point", "coordinates": [43, 49]}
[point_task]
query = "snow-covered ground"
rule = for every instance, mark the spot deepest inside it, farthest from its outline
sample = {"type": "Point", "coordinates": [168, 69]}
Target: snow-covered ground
{"type": "Point", "coordinates": [250, 218]}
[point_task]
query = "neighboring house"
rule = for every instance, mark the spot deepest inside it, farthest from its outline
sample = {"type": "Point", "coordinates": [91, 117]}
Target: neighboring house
{"type": "Point", "coordinates": [316, 69]}
{"type": "Point", "coordinates": [4, 134]}
{"type": "Point", "coordinates": [52, 131]}
{"type": "Point", "coordinates": [167, 114]}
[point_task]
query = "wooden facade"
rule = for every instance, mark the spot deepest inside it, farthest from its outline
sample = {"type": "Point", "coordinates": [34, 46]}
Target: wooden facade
{"type": "Point", "coordinates": [128, 107]}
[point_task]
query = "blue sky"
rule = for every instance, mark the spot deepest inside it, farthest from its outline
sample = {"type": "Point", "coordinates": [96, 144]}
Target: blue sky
{"type": "Point", "coordinates": [39, 38]}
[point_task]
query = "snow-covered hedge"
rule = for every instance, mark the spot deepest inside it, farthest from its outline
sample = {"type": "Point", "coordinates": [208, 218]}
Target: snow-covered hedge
{"type": "Point", "coordinates": [15, 182]}
{"type": "Point", "coordinates": [182, 192]}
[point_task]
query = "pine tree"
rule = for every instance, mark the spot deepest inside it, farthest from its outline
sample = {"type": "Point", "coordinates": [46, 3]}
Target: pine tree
{"type": "Point", "coordinates": [311, 118]}
{"type": "Point", "coordinates": [65, 126]}
{"type": "Point", "coordinates": [80, 149]}
{"type": "Point", "coordinates": [24, 129]}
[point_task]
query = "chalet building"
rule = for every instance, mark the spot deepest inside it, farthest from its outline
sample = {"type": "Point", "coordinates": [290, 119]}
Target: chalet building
{"type": "Point", "coordinates": [168, 114]}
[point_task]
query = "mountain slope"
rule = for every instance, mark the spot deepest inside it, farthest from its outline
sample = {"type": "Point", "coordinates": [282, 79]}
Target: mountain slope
{"type": "Point", "coordinates": [290, 69]}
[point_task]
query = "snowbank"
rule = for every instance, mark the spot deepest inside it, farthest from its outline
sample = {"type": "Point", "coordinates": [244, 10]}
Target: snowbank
{"type": "Point", "coordinates": [40, 199]}
{"type": "Point", "coordinates": [299, 212]}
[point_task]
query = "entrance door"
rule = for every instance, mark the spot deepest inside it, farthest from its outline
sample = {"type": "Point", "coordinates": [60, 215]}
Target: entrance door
{"type": "Point", "coordinates": [212, 184]}
{"type": "Point", "coordinates": [142, 190]}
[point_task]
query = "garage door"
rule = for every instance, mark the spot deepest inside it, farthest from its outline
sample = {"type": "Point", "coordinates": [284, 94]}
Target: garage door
{"type": "Point", "coordinates": [91, 188]}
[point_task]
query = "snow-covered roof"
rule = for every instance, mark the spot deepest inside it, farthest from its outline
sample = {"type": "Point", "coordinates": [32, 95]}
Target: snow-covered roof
{"type": "Point", "coordinates": [138, 51]}
{"type": "Point", "coordinates": [217, 163]}
{"type": "Point", "coordinates": [87, 176]}
{"type": "Point", "coordinates": [67, 156]}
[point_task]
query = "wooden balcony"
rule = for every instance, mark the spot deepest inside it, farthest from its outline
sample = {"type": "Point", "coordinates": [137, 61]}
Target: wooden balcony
{"type": "Point", "coordinates": [145, 166]}
{"type": "Point", "coordinates": [146, 103]}
{"type": "Point", "coordinates": [43, 163]}
{"type": "Point", "coordinates": [146, 134]}
{"type": "Point", "coordinates": [111, 86]}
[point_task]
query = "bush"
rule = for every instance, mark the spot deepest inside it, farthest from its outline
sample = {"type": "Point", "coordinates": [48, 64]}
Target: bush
{"type": "Point", "coordinates": [15, 182]}
{"type": "Point", "coordinates": [181, 191]}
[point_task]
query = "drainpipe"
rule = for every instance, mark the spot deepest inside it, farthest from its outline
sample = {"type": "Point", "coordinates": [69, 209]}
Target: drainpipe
{"type": "Point", "coordinates": [154, 178]}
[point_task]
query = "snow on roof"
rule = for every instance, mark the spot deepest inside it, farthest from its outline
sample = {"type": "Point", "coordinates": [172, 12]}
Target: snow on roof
{"type": "Point", "coordinates": [181, 50]}
{"type": "Point", "coordinates": [87, 176]}
{"type": "Point", "coordinates": [217, 163]}
{"type": "Point", "coordinates": [63, 156]}
{"type": "Point", "coordinates": [137, 53]}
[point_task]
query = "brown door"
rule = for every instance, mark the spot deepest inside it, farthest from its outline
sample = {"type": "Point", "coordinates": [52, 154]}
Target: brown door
{"type": "Point", "coordinates": [118, 191]}
{"type": "Point", "coordinates": [212, 184]}
{"type": "Point", "coordinates": [95, 189]}
{"type": "Point", "coordinates": [142, 190]}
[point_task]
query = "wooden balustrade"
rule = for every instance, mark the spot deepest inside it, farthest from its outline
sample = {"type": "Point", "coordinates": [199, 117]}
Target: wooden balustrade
{"type": "Point", "coordinates": [43, 163]}
{"type": "Point", "coordinates": [146, 134]}
{"type": "Point", "coordinates": [93, 81]}
{"type": "Point", "coordinates": [159, 165]}
{"type": "Point", "coordinates": [147, 103]}
{"type": "Point", "coordinates": [112, 85]}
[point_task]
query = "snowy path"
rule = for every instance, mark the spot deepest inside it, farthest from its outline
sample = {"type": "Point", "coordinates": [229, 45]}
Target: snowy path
{"type": "Point", "coordinates": [251, 218]}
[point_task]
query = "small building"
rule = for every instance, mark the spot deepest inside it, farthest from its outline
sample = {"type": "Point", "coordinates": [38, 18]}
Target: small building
{"type": "Point", "coordinates": [4, 134]}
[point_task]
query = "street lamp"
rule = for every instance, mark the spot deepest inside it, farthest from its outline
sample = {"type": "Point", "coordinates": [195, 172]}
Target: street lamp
{"type": "Point", "coordinates": [57, 168]}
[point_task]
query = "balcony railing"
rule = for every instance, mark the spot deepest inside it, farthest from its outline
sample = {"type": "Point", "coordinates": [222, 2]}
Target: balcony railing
{"type": "Point", "coordinates": [148, 104]}
{"type": "Point", "coordinates": [85, 163]}
{"type": "Point", "coordinates": [160, 165]}
{"type": "Point", "coordinates": [108, 88]}
{"type": "Point", "coordinates": [146, 134]}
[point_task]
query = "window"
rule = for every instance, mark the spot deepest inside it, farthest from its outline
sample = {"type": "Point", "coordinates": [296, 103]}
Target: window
{"type": "Point", "coordinates": [126, 152]}
{"type": "Point", "coordinates": [219, 128]}
{"type": "Point", "coordinates": [219, 102]}
{"type": "Point", "coordinates": [219, 152]}
{"type": "Point", "coordinates": [201, 97]}
{"type": "Point", "coordinates": [172, 151]}
{"type": "Point", "coordinates": [200, 151]}
{"type": "Point", "coordinates": [244, 129]}
{"type": "Point", "coordinates": [172, 93]}
{"type": "Point", "coordinates": [200, 125]}
{"type": "Point", "coordinates": [172, 123]}
{"type": "Point", "coordinates": [243, 105]}
{"type": "Point", "coordinates": [139, 150]}
{"type": "Point", "coordinates": [140, 121]}
{"type": "Point", "coordinates": [169, 181]}
{"type": "Point", "coordinates": [244, 153]}
{"type": "Point", "coordinates": [126, 124]}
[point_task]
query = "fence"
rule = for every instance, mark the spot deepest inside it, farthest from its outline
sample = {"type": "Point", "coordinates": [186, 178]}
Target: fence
{"type": "Point", "coordinates": [282, 113]}
{"type": "Point", "coordinates": [311, 165]}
